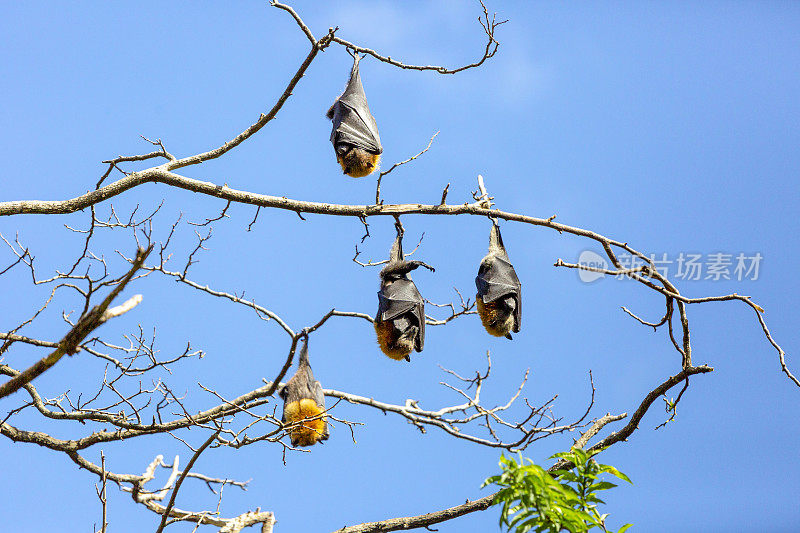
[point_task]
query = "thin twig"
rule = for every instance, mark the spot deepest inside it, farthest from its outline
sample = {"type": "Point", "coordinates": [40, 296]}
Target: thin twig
{"type": "Point", "coordinates": [178, 484]}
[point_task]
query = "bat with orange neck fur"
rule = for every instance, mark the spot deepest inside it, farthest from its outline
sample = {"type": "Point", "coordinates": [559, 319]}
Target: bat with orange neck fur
{"type": "Point", "coordinates": [304, 404]}
{"type": "Point", "coordinates": [499, 298]}
{"type": "Point", "coordinates": [355, 133]}
{"type": "Point", "coordinates": [400, 322]}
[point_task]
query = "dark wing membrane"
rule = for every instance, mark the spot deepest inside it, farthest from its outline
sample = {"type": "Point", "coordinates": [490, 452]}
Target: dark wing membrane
{"type": "Point", "coordinates": [403, 297]}
{"type": "Point", "coordinates": [352, 121]}
{"type": "Point", "coordinates": [397, 298]}
{"type": "Point", "coordinates": [498, 279]}
{"type": "Point", "coordinates": [518, 314]}
{"type": "Point", "coordinates": [355, 126]}
{"type": "Point", "coordinates": [319, 397]}
{"type": "Point", "coordinates": [419, 312]}
{"type": "Point", "coordinates": [283, 394]}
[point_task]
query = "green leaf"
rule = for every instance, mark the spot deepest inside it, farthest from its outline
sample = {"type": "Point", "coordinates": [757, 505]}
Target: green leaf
{"type": "Point", "coordinates": [532, 499]}
{"type": "Point", "coordinates": [614, 472]}
{"type": "Point", "coordinates": [569, 476]}
{"type": "Point", "coordinates": [602, 485]}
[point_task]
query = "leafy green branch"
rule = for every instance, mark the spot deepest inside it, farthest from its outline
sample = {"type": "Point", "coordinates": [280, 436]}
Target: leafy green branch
{"type": "Point", "coordinates": [534, 499]}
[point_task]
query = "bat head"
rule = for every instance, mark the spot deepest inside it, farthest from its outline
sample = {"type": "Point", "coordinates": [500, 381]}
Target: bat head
{"type": "Point", "coordinates": [356, 162]}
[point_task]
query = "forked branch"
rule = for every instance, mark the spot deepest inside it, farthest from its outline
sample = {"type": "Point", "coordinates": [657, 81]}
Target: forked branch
{"type": "Point", "coordinates": [85, 325]}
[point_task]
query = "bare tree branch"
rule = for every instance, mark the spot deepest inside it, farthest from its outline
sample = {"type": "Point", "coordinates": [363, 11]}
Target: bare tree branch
{"type": "Point", "coordinates": [126, 408]}
{"type": "Point", "coordinates": [263, 119]}
{"type": "Point", "coordinates": [429, 519]}
{"type": "Point", "coordinates": [386, 172]}
{"type": "Point", "coordinates": [633, 423]}
{"type": "Point", "coordinates": [160, 175]}
{"type": "Point", "coordinates": [423, 520]}
{"type": "Point", "coordinates": [488, 24]}
{"type": "Point", "coordinates": [178, 484]}
{"type": "Point", "coordinates": [87, 323]}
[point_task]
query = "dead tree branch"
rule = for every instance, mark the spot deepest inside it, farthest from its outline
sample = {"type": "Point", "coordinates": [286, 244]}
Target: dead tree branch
{"type": "Point", "coordinates": [648, 275]}
{"type": "Point", "coordinates": [86, 324]}
{"type": "Point", "coordinates": [488, 24]}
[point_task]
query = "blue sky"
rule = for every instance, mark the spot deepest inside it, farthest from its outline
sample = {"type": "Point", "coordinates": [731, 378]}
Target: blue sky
{"type": "Point", "coordinates": [674, 128]}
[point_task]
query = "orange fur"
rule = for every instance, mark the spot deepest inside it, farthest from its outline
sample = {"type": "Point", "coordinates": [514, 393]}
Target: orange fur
{"type": "Point", "coordinates": [496, 322]}
{"type": "Point", "coordinates": [308, 432]}
{"type": "Point", "coordinates": [358, 163]}
{"type": "Point", "coordinates": [388, 340]}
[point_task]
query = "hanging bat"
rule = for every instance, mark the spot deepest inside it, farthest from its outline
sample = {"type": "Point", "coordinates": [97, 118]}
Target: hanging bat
{"type": "Point", "coordinates": [355, 134]}
{"type": "Point", "coordinates": [303, 400]}
{"type": "Point", "coordinates": [499, 296]}
{"type": "Point", "coordinates": [400, 322]}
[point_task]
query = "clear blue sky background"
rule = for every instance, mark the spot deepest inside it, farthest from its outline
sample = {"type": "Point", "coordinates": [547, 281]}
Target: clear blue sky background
{"type": "Point", "coordinates": [672, 127]}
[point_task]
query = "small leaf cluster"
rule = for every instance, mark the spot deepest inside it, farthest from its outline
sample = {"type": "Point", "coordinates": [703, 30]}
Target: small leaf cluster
{"type": "Point", "coordinates": [533, 499]}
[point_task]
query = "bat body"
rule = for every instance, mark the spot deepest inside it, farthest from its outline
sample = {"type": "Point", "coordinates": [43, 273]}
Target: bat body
{"type": "Point", "coordinates": [400, 322]}
{"type": "Point", "coordinates": [304, 405]}
{"type": "Point", "coordinates": [355, 134]}
{"type": "Point", "coordinates": [499, 298]}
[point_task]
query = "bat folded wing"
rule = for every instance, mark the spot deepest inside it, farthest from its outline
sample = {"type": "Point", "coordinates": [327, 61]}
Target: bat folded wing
{"type": "Point", "coordinates": [399, 298]}
{"type": "Point", "coordinates": [497, 280]}
{"type": "Point", "coordinates": [354, 125]}
{"type": "Point", "coordinates": [318, 395]}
